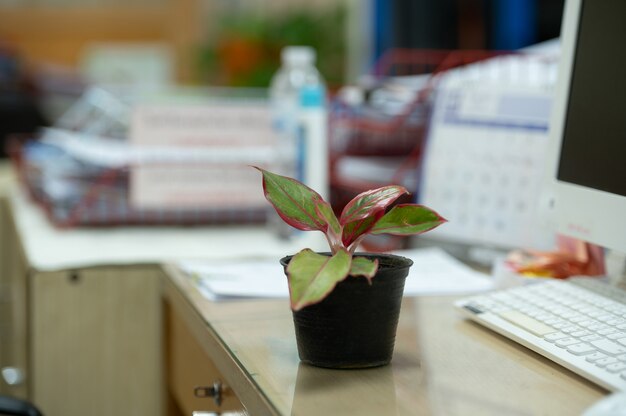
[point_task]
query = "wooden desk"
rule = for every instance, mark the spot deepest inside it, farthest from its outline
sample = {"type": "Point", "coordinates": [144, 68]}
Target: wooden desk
{"type": "Point", "coordinates": [443, 364]}
{"type": "Point", "coordinates": [80, 315]}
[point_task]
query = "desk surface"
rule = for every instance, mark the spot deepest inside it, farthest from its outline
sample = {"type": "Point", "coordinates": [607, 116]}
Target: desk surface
{"type": "Point", "coordinates": [442, 365]}
{"type": "Point", "coordinates": [51, 248]}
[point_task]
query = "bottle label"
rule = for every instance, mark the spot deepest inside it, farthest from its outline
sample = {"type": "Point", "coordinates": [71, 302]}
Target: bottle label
{"type": "Point", "coordinates": [312, 96]}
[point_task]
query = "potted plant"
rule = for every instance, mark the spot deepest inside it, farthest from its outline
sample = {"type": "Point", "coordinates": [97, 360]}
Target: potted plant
{"type": "Point", "coordinates": [346, 305]}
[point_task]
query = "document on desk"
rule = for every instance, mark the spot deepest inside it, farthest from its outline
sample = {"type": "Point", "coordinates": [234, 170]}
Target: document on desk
{"type": "Point", "coordinates": [243, 279]}
{"type": "Point", "coordinates": [434, 272]}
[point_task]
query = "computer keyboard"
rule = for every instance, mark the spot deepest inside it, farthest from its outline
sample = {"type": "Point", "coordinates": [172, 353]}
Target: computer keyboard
{"type": "Point", "coordinates": [579, 323]}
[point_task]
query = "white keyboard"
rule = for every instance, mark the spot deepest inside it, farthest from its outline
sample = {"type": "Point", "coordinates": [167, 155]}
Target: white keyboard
{"type": "Point", "coordinates": [579, 323]}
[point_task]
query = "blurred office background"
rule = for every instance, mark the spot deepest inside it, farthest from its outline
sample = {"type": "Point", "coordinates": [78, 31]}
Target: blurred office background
{"type": "Point", "coordinates": [50, 49]}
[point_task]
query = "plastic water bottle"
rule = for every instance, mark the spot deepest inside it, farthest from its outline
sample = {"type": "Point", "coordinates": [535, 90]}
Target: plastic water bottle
{"type": "Point", "coordinates": [298, 100]}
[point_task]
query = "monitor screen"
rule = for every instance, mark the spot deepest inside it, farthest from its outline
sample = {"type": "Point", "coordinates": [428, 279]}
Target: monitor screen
{"type": "Point", "coordinates": [588, 125]}
{"type": "Point", "coordinates": [593, 152]}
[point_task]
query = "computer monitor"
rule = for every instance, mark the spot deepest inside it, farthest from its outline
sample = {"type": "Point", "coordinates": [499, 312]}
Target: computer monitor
{"type": "Point", "coordinates": [588, 125]}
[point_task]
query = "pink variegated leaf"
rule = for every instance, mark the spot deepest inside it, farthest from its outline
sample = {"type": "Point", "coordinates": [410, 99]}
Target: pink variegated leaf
{"type": "Point", "coordinates": [369, 203]}
{"type": "Point", "coordinates": [408, 219]}
{"type": "Point", "coordinates": [313, 276]}
{"type": "Point", "coordinates": [293, 201]}
{"type": "Point", "coordinates": [333, 232]}
{"type": "Point", "coordinates": [364, 267]}
{"type": "Point", "coordinates": [355, 229]}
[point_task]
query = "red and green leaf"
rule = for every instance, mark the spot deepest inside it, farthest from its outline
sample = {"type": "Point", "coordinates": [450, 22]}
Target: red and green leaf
{"type": "Point", "coordinates": [352, 231]}
{"type": "Point", "coordinates": [364, 267]}
{"type": "Point", "coordinates": [333, 232]}
{"type": "Point", "coordinates": [313, 276]}
{"type": "Point", "coordinates": [371, 202]}
{"type": "Point", "coordinates": [294, 202]}
{"type": "Point", "coordinates": [408, 219]}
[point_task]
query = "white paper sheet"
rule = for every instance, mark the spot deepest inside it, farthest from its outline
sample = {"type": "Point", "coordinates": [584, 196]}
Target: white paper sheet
{"type": "Point", "coordinates": [239, 279]}
{"type": "Point", "coordinates": [434, 272]}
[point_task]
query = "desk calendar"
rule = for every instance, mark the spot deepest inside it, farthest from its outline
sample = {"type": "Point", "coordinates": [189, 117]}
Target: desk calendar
{"type": "Point", "coordinates": [484, 163]}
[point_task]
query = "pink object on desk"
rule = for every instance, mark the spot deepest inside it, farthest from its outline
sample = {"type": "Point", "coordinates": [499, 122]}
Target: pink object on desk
{"type": "Point", "coordinates": [572, 258]}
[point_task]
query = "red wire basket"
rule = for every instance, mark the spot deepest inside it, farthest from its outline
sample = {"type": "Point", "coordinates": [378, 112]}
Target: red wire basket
{"type": "Point", "coordinates": [101, 197]}
{"type": "Point", "coordinates": [398, 138]}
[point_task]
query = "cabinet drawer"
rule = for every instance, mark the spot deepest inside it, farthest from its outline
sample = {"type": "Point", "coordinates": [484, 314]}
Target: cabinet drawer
{"type": "Point", "coordinates": [189, 367]}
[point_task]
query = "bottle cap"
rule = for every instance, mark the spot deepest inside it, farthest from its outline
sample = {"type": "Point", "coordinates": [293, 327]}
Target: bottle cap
{"type": "Point", "coordinates": [298, 55]}
{"type": "Point", "coordinates": [352, 95]}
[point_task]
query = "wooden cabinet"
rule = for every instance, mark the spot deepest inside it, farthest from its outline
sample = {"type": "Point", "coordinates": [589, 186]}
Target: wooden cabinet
{"type": "Point", "coordinates": [13, 310]}
{"type": "Point", "coordinates": [95, 341]}
{"type": "Point", "coordinates": [86, 340]}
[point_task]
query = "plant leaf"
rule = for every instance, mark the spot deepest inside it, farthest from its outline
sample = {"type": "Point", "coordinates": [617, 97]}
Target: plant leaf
{"type": "Point", "coordinates": [408, 219]}
{"type": "Point", "coordinates": [364, 267]}
{"type": "Point", "coordinates": [293, 201]}
{"type": "Point", "coordinates": [369, 202]}
{"type": "Point", "coordinates": [313, 276]}
{"type": "Point", "coordinates": [325, 212]}
{"type": "Point", "coordinates": [355, 229]}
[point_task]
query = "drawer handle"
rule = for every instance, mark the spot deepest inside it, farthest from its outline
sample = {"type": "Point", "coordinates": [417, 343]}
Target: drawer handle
{"type": "Point", "coordinates": [215, 392]}
{"type": "Point", "coordinates": [13, 376]}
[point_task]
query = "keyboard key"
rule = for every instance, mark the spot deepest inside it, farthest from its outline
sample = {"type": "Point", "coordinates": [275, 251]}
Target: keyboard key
{"type": "Point", "coordinates": [616, 367]}
{"type": "Point", "coordinates": [592, 337]}
{"type": "Point", "coordinates": [570, 329]}
{"type": "Point", "coordinates": [554, 336]}
{"type": "Point", "coordinates": [580, 349]}
{"type": "Point", "coordinates": [566, 342]}
{"type": "Point", "coordinates": [595, 357]}
{"type": "Point", "coordinates": [607, 331]}
{"type": "Point", "coordinates": [608, 347]}
{"type": "Point", "coordinates": [598, 327]}
{"type": "Point", "coordinates": [568, 315]}
{"type": "Point", "coordinates": [603, 362]}
{"type": "Point", "coordinates": [578, 318]}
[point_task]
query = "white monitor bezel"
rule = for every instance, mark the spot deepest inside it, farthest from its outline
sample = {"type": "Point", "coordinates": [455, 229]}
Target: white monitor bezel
{"type": "Point", "coordinates": [585, 213]}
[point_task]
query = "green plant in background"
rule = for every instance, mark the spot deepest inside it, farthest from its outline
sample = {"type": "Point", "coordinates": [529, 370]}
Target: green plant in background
{"type": "Point", "coordinates": [312, 276]}
{"type": "Point", "coordinates": [245, 51]}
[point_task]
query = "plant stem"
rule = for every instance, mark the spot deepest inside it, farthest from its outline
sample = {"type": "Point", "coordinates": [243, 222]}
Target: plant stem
{"type": "Point", "coordinates": [333, 247]}
{"type": "Point", "coordinates": [355, 244]}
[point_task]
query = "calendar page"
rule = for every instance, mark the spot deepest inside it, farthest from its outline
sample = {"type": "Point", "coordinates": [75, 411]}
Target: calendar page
{"type": "Point", "coordinates": [484, 163]}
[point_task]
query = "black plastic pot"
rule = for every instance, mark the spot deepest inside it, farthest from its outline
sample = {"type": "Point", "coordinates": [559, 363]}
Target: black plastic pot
{"type": "Point", "coordinates": [354, 326]}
